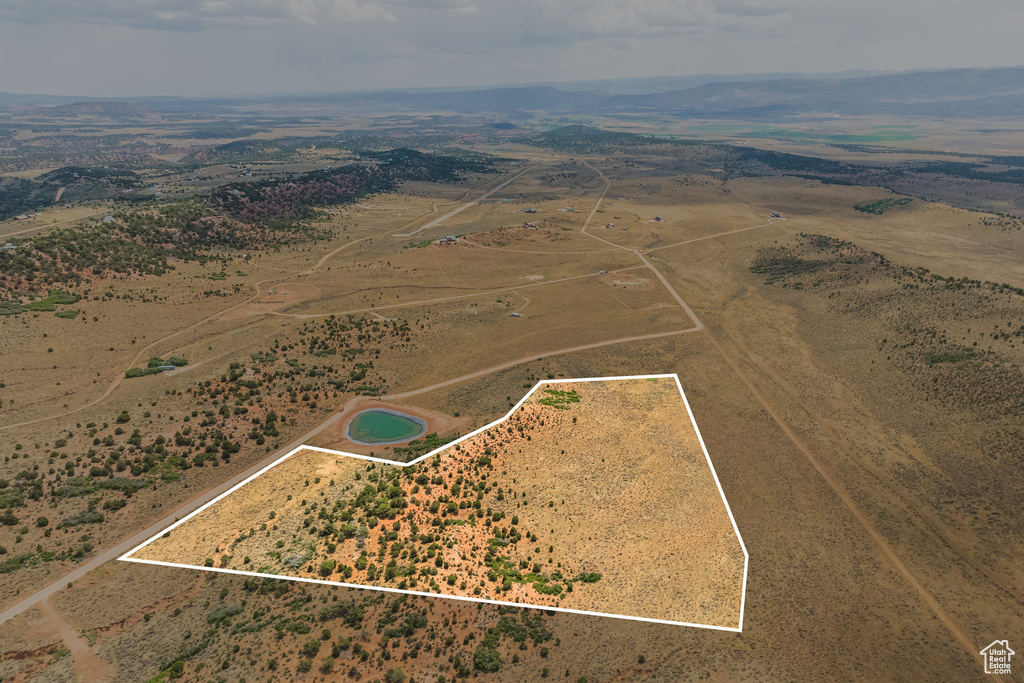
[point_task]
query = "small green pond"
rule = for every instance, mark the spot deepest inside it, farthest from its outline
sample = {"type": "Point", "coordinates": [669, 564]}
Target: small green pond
{"type": "Point", "coordinates": [378, 426]}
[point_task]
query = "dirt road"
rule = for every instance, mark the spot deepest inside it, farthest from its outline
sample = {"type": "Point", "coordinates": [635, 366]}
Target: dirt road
{"type": "Point", "coordinates": [49, 225]}
{"type": "Point", "coordinates": [840, 491]}
{"type": "Point", "coordinates": [531, 358]}
{"type": "Point", "coordinates": [463, 207]}
{"type": "Point", "coordinates": [424, 302]}
{"type": "Point", "coordinates": [185, 508]}
{"type": "Point", "coordinates": [258, 287]}
{"type": "Point", "coordinates": [89, 667]}
{"type": "Point", "coordinates": [876, 537]}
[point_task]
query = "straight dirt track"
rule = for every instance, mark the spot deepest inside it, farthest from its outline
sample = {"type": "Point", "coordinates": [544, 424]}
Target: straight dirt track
{"type": "Point", "coordinates": [840, 491]}
{"type": "Point", "coordinates": [876, 537]}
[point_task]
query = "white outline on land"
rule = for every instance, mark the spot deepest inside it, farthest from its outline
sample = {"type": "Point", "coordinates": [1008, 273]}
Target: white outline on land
{"type": "Point", "coordinates": [746, 556]}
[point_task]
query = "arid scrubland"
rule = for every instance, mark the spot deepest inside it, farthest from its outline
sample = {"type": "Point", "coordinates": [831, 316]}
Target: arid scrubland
{"type": "Point", "coordinates": [591, 496]}
{"type": "Point", "coordinates": [857, 384]}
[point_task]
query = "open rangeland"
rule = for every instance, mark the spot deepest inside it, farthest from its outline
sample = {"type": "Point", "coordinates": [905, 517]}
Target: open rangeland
{"type": "Point", "coordinates": [854, 367]}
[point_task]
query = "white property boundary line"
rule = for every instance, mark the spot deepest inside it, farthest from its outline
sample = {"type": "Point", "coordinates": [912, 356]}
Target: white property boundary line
{"type": "Point", "coordinates": [127, 557]}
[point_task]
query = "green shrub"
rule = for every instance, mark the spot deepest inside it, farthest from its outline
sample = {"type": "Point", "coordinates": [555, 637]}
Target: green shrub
{"type": "Point", "coordinates": [15, 563]}
{"type": "Point", "coordinates": [882, 205]}
{"type": "Point", "coordinates": [41, 305]}
{"type": "Point", "coordinates": [85, 517]}
{"type": "Point", "coordinates": [222, 614]}
{"type": "Point", "coordinates": [11, 308]}
{"type": "Point", "coordinates": [486, 659]}
{"type": "Point", "coordinates": [11, 498]}
{"type": "Point", "coordinates": [8, 518]}
{"type": "Point", "coordinates": [59, 297]}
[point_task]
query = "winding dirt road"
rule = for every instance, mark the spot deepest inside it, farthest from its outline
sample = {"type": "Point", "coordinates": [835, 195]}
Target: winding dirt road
{"type": "Point", "coordinates": [258, 288]}
{"type": "Point", "coordinates": [876, 537]}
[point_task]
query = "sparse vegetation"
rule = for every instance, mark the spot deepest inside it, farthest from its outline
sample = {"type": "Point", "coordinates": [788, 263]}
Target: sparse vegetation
{"type": "Point", "coordinates": [882, 205]}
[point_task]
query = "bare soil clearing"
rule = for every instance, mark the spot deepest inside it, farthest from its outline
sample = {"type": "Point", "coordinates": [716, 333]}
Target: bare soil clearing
{"type": "Point", "coordinates": [277, 297]}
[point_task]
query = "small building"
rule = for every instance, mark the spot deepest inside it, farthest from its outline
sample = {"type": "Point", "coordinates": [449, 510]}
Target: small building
{"type": "Point", "coordinates": [22, 217]}
{"type": "Point", "coordinates": [602, 272]}
{"type": "Point", "coordinates": [775, 214]}
{"type": "Point", "coordinates": [530, 226]}
{"type": "Point", "coordinates": [610, 226]}
{"type": "Point", "coordinates": [8, 247]}
{"type": "Point", "coordinates": [108, 219]}
{"type": "Point", "coordinates": [529, 210]}
{"type": "Point", "coordinates": [513, 315]}
{"type": "Point", "coordinates": [167, 367]}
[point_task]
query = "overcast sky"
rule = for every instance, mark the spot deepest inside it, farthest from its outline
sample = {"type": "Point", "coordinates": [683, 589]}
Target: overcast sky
{"type": "Point", "coordinates": [211, 47]}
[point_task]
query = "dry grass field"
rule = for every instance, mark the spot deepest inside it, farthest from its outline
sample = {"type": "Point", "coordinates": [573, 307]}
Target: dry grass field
{"type": "Point", "coordinates": [856, 377]}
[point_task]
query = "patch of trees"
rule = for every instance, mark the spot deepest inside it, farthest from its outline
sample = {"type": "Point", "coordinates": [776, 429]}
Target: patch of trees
{"type": "Point", "coordinates": [784, 161]}
{"type": "Point", "coordinates": [971, 171]}
{"type": "Point", "coordinates": [580, 139]}
{"type": "Point", "coordinates": [121, 178]}
{"type": "Point", "coordinates": [239, 151]}
{"type": "Point", "coordinates": [239, 216]}
{"type": "Point", "coordinates": [266, 201]}
{"type": "Point", "coordinates": [882, 205]}
{"type": "Point", "coordinates": [20, 195]}
{"type": "Point", "coordinates": [418, 447]}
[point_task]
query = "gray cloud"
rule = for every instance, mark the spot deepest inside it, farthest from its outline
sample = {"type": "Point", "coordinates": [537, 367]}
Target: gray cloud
{"type": "Point", "coordinates": [247, 46]}
{"type": "Point", "coordinates": [192, 15]}
{"type": "Point", "coordinates": [450, 5]}
{"type": "Point", "coordinates": [645, 18]}
{"type": "Point", "coordinates": [594, 17]}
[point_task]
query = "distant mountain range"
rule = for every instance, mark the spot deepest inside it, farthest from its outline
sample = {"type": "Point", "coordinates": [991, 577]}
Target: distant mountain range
{"type": "Point", "coordinates": [955, 93]}
{"type": "Point", "coordinates": [119, 109]}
